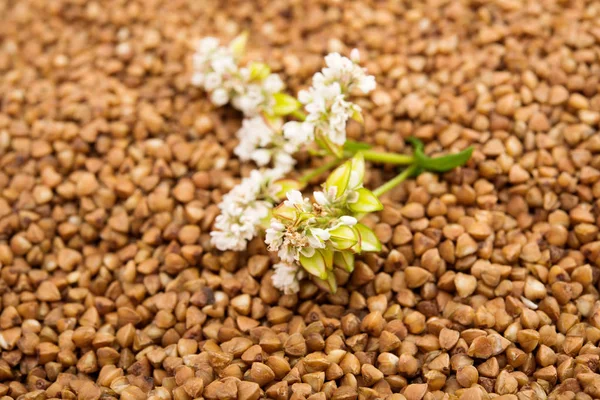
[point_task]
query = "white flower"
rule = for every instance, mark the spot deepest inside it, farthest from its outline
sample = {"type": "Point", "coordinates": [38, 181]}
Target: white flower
{"type": "Point", "coordinates": [283, 161]}
{"type": "Point", "coordinates": [274, 235]}
{"type": "Point", "coordinates": [198, 79]}
{"type": "Point", "coordinates": [212, 81]}
{"type": "Point", "coordinates": [261, 157]}
{"type": "Point", "coordinates": [207, 44]}
{"type": "Point", "coordinates": [325, 101]}
{"type": "Point", "coordinates": [224, 64]}
{"type": "Point", "coordinates": [219, 97]}
{"type": "Point", "coordinates": [367, 84]}
{"type": "Point", "coordinates": [317, 238]}
{"type": "Point", "coordinates": [347, 72]}
{"type": "Point", "coordinates": [295, 199]}
{"type": "Point", "coordinates": [216, 69]}
{"type": "Point", "coordinates": [273, 84]}
{"type": "Point", "coordinates": [249, 99]}
{"type": "Point", "coordinates": [326, 198]}
{"type": "Point", "coordinates": [253, 134]}
{"type": "Point", "coordinates": [276, 238]}
{"type": "Point", "coordinates": [285, 277]}
{"type": "Point", "coordinates": [320, 198]}
{"type": "Point", "coordinates": [299, 132]}
{"type": "Point", "coordinates": [242, 211]}
{"type": "Point", "coordinates": [263, 144]}
{"type": "Point", "coordinates": [327, 110]}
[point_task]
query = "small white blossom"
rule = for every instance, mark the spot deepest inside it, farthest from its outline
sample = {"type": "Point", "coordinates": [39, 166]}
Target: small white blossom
{"type": "Point", "coordinates": [317, 237]}
{"type": "Point", "coordinates": [312, 235]}
{"type": "Point", "coordinates": [299, 132]}
{"type": "Point", "coordinates": [208, 44]}
{"type": "Point", "coordinates": [219, 97]}
{"type": "Point", "coordinates": [217, 71]}
{"type": "Point", "coordinates": [326, 198]}
{"type": "Point", "coordinates": [295, 199]}
{"type": "Point", "coordinates": [264, 144]}
{"type": "Point", "coordinates": [243, 210]}
{"type": "Point", "coordinates": [253, 134]}
{"type": "Point", "coordinates": [325, 101]}
{"type": "Point", "coordinates": [273, 84]}
{"type": "Point", "coordinates": [345, 71]}
{"type": "Point", "coordinates": [285, 277]}
{"type": "Point", "coordinates": [320, 198]}
{"type": "Point", "coordinates": [283, 161]}
{"type": "Point", "coordinates": [249, 99]}
{"type": "Point", "coordinates": [197, 79]}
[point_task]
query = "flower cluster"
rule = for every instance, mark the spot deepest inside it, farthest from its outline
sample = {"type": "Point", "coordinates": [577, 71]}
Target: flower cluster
{"type": "Point", "coordinates": [246, 208]}
{"type": "Point", "coordinates": [319, 235]}
{"type": "Point", "coordinates": [326, 100]}
{"type": "Point", "coordinates": [261, 141]}
{"type": "Point", "coordinates": [250, 89]}
{"type": "Point", "coordinates": [311, 236]}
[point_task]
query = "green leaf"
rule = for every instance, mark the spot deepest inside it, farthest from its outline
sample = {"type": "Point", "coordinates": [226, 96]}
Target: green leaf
{"type": "Point", "coordinates": [314, 265]}
{"type": "Point", "coordinates": [328, 257]}
{"type": "Point", "coordinates": [357, 248]}
{"type": "Point", "coordinates": [285, 104]}
{"type": "Point", "coordinates": [444, 163]}
{"type": "Point", "coordinates": [368, 240]}
{"type": "Point", "coordinates": [367, 202]}
{"type": "Point", "coordinates": [285, 185]}
{"type": "Point", "coordinates": [439, 164]}
{"type": "Point", "coordinates": [358, 171]}
{"type": "Point", "coordinates": [339, 178]}
{"type": "Point", "coordinates": [327, 284]}
{"type": "Point", "coordinates": [344, 259]}
{"type": "Point", "coordinates": [332, 282]}
{"type": "Point", "coordinates": [353, 146]}
{"type": "Point", "coordinates": [238, 44]}
{"type": "Point", "coordinates": [357, 116]}
{"type": "Point", "coordinates": [343, 237]}
{"type": "Point", "coordinates": [416, 143]}
{"type": "Point", "coordinates": [258, 70]}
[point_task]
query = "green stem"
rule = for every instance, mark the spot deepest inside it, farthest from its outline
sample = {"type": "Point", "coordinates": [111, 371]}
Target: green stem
{"type": "Point", "coordinates": [389, 185]}
{"type": "Point", "coordinates": [318, 171]}
{"type": "Point", "coordinates": [388, 158]}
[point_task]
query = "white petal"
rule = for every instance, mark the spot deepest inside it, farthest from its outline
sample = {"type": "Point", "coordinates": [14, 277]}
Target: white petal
{"type": "Point", "coordinates": [219, 97]}
{"type": "Point", "coordinates": [321, 233]}
{"type": "Point", "coordinates": [348, 220]}
{"type": "Point", "coordinates": [294, 197]}
{"type": "Point", "coordinates": [261, 157]}
{"type": "Point", "coordinates": [320, 198]}
{"type": "Point", "coordinates": [198, 79]}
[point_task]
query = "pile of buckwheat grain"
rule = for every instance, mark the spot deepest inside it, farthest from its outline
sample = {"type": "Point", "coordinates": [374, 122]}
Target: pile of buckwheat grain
{"type": "Point", "coordinates": [111, 166]}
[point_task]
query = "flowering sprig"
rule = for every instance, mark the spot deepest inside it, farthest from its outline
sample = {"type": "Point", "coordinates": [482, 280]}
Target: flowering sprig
{"type": "Point", "coordinates": [314, 236]}
{"type": "Point", "coordinates": [326, 102]}
{"type": "Point", "coordinates": [320, 234]}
